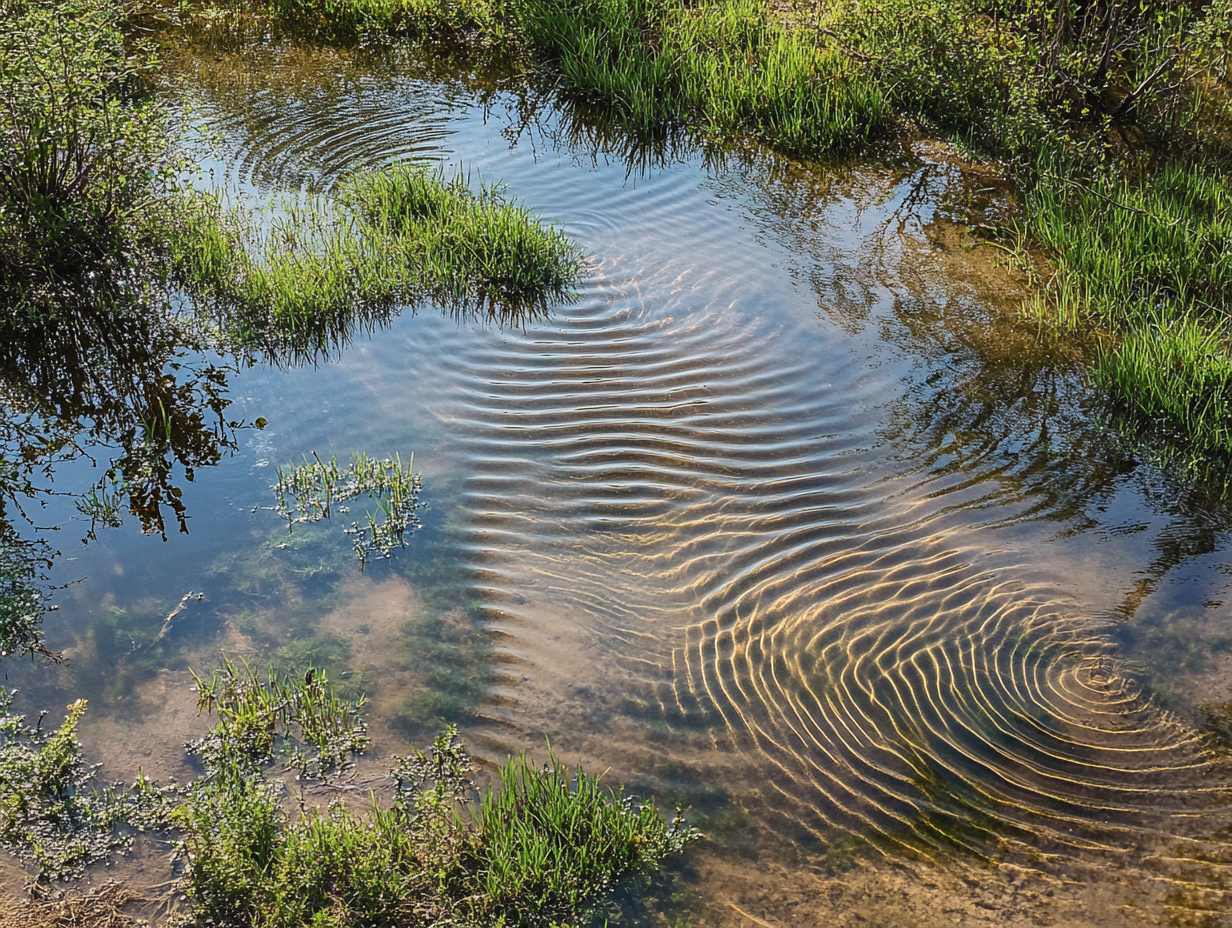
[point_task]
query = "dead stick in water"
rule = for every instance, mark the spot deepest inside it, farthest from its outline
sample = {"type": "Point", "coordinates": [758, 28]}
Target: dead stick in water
{"type": "Point", "coordinates": [183, 604]}
{"type": "Point", "coordinates": [752, 918]}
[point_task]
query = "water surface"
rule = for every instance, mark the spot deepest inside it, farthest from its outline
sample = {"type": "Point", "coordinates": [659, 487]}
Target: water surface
{"type": "Point", "coordinates": [787, 518]}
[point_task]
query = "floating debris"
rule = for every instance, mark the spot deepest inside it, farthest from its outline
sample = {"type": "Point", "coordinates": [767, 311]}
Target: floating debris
{"type": "Point", "coordinates": [187, 598]}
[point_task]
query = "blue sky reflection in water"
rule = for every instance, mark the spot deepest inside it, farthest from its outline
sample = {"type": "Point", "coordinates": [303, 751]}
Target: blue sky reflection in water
{"type": "Point", "coordinates": [785, 518]}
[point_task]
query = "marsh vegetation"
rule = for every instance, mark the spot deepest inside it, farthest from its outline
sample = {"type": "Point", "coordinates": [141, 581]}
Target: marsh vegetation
{"type": "Point", "coordinates": [546, 847]}
{"type": "Point", "coordinates": [310, 492]}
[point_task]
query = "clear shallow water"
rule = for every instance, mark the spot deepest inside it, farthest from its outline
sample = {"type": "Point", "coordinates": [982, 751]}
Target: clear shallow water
{"type": "Point", "coordinates": [781, 519]}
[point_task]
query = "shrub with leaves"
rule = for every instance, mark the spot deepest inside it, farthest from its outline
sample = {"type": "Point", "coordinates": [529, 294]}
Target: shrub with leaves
{"type": "Point", "coordinates": [82, 151]}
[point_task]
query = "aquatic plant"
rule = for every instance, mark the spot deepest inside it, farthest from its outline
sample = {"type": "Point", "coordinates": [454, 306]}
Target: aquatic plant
{"type": "Point", "coordinates": [258, 714]}
{"type": "Point", "coordinates": [449, 654]}
{"type": "Point", "coordinates": [469, 250]}
{"type": "Point", "coordinates": [558, 841]}
{"type": "Point", "coordinates": [52, 812]}
{"type": "Point", "coordinates": [310, 491]}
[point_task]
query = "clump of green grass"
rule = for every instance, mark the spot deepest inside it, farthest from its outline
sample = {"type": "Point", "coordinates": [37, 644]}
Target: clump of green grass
{"type": "Point", "coordinates": [310, 491]}
{"type": "Point", "coordinates": [546, 849]}
{"type": "Point", "coordinates": [561, 839]}
{"type": "Point", "coordinates": [1149, 262]}
{"type": "Point", "coordinates": [467, 250]}
{"type": "Point", "coordinates": [724, 68]}
{"type": "Point", "coordinates": [397, 235]}
{"type": "Point", "coordinates": [306, 288]}
{"type": "Point", "coordinates": [1137, 247]}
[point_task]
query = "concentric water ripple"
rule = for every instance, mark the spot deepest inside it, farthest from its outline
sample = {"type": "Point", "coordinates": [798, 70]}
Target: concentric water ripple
{"type": "Point", "coordinates": [309, 116]}
{"type": "Point", "coordinates": [702, 489]}
{"type": "Point", "coordinates": [890, 689]}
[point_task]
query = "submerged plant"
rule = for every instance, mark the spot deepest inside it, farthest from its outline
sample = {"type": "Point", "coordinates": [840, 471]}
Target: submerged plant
{"type": "Point", "coordinates": [311, 491]}
{"type": "Point", "coordinates": [297, 712]}
{"type": "Point", "coordinates": [52, 813]}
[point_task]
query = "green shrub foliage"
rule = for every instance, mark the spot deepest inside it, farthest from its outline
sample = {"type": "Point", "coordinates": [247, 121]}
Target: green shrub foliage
{"type": "Point", "coordinates": [84, 152]}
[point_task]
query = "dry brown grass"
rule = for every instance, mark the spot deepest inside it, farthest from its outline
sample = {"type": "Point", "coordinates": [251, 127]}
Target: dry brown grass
{"type": "Point", "coordinates": [98, 908]}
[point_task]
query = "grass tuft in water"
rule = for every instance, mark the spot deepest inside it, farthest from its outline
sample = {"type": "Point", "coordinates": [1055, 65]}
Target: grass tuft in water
{"type": "Point", "coordinates": [467, 250]}
{"type": "Point", "coordinates": [561, 839]}
{"type": "Point", "coordinates": [398, 235]}
{"type": "Point", "coordinates": [311, 491]}
{"type": "Point", "coordinates": [319, 732]}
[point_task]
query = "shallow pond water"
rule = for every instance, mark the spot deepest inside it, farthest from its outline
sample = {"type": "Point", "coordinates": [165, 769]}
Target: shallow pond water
{"type": "Point", "coordinates": [786, 519]}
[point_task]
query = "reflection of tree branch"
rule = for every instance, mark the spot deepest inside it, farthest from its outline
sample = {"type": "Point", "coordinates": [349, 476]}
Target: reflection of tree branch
{"type": "Point", "coordinates": [112, 381]}
{"type": "Point", "coordinates": [918, 195]}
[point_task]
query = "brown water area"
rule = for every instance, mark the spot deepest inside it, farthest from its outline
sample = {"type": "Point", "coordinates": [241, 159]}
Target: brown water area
{"type": "Point", "coordinates": [791, 518]}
